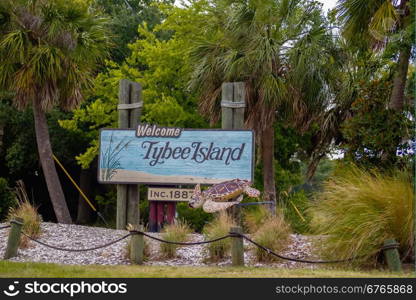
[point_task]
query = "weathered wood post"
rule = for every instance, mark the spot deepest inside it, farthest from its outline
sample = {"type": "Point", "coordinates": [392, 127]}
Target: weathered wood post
{"type": "Point", "coordinates": [170, 212]}
{"type": "Point", "coordinates": [391, 254]}
{"type": "Point", "coordinates": [237, 247]}
{"type": "Point", "coordinates": [233, 104]}
{"type": "Point", "coordinates": [152, 225]}
{"type": "Point", "coordinates": [14, 238]}
{"type": "Point", "coordinates": [137, 248]}
{"type": "Point", "coordinates": [160, 219]}
{"type": "Point", "coordinates": [129, 111]}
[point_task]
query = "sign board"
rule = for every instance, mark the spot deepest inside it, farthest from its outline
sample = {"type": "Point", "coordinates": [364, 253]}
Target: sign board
{"type": "Point", "coordinates": [160, 155]}
{"type": "Point", "coordinates": [169, 194]}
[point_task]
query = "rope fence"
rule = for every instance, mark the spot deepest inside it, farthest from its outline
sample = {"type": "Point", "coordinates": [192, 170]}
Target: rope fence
{"type": "Point", "coordinates": [77, 250]}
{"type": "Point", "coordinates": [296, 259]}
{"type": "Point", "coordinates": [390, 248]}
{"type": "Point", "coordinates": [179, 243]}
{"type": "Point", "coordinates": [134, 232]}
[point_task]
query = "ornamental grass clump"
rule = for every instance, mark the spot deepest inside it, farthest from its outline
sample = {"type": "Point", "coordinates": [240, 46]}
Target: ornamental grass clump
{"type": "Point", "coordinates": [254, 218]}
{"type": "Point", "coordinates": [177, 232]}
{"type": "Point", "coordinates": [359, 210]}
{"type": "Point", "coordinates": [274, 234]}
{"type": "Point", "coordinates": [25, 210]}
{"type": "Point", "coordinates": [219, 227]}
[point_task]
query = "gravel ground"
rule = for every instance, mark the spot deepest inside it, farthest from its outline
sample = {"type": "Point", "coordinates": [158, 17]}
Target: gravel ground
{"type": "Point", "coordinates": [79, 237]}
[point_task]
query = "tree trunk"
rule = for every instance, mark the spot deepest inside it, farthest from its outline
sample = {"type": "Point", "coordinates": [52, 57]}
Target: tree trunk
{"type": "Point", "coordinates": [85, 213]}
{"type": "Point", "coordinates": [313, 166]}
{"type": "Point", "coordinates": [48, 166]}
{"type": "Point", "coordinates": [268, 167]}
{"type": "Point", "coordinates": [399, 83]}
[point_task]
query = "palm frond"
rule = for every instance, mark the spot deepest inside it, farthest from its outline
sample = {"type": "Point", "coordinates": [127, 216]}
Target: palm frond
{"type": "Point", "coordinates": [49, 50]}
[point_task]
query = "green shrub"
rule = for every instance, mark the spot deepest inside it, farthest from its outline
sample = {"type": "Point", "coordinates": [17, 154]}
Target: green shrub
{"type": "Point", "coordinates": [6, 198]}
{"type": "Point", "coordinates": [219, 227]}
{"type": "Point", "coordinates": [174, 232]}
{"type": "Point", "coordinates": [25, 210]}
{"type": "Point", "coordinates": [274, 234]}
{"type": "Point", "coordinates": [295, 212]}
{"type": "Point", "coordinates": [195, 218]}
{"type": "Point", "coordinates": [358, 211]}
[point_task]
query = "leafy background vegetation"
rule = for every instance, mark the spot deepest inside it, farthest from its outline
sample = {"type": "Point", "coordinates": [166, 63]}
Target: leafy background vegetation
{"type": "Point", "coordinates": [326, 88]}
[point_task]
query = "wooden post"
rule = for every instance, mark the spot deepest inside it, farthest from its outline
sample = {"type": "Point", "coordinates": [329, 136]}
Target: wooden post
{"type": "Point", "coordinates": [133, 209]}
{"type": "Point", "coordinates": [14, 238]}
{"type": "Point", "coordinates": [233, 107]}
{"type": "Point", "coordinates": [170, 212]}
{"type": "Point", "coordinates": [152, 216]}
{"type": "Point", "coordinates": [392, 256]}
{"type": "Point", "coordinates": [227, 96]}
{"type": "Point", "coordinates": [121, 206]}
{"type": "Point", "coordinates": [237, 247]}
{"type": "Point", "coordinates": [160, 215]}
{"type": "Point", "coordinates": [137, 248]}
{"type": "Point", "coordinates": [129, 111]}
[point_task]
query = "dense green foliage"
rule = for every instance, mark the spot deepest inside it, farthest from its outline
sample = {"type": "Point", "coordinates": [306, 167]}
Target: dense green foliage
{"type": "Point", "coordinates": [196, 218]}
{"type": "Point", "coordinates": [126, 16]}
{"type": "Point", "coordinates": [295, 212]}
{"type": "Point", "coordinates": [18, 156]}
{"type": "Point", "coordinates": [327, 84]}
{"type": "Point", "coordinates": [7, 199]}
{"type": "Point", "coordinates": [49, 51]}
{"type": "Point", "coordinates": [374, 133]}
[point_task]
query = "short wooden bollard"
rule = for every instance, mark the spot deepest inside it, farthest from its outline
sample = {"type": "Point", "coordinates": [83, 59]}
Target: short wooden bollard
{"type": "Point", "coordinates": [392, 256]}
{"type": "Point", "coordinates": [237, 247]}
{"type": "Point", "coordinates": [137, 248]}
{"type": "Point", "coordinates": [14, 238]}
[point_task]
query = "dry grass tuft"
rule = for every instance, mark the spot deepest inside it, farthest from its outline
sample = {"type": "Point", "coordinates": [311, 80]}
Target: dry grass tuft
{"type": "Point", "coordinates": [177, 232]}
{"type": "Point", "coordinates": [219, 227]}
{"type": "Point", "coordinates": [273, 233]}
{"type": "Point", "coordinates": [359, 210]}
{"type": "Point", "coordinates": [254, 218]}
{"type": "Point", "coordinates": [25, 210]}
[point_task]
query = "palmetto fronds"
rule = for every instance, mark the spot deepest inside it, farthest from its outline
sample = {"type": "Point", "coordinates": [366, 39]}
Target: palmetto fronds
{"type": "Point", "coordinates": [254, 42]}
{"type": "Point", "coordinates": [48, 51]}
{"type": "Point", "coordinates": [373, 21]}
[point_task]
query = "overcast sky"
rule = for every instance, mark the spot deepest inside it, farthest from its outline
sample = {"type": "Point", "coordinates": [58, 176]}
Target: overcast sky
{"type": "Point", "coordinates": [328, 4]}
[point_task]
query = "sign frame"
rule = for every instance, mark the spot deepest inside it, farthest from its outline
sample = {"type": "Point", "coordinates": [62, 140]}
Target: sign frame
{"type": "Point", "coordinates": [253, 148]}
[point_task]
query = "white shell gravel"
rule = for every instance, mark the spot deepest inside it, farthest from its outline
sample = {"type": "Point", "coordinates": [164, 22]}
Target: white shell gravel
{"type": "Point", "coordinates": [81, 237]}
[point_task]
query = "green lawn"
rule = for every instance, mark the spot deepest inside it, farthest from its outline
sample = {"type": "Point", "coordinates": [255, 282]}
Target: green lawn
{"type": "Point", "coordinates": [15, 269]}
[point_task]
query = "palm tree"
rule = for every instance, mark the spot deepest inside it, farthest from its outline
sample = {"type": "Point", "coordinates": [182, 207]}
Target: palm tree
{"type": "Point", "coordinates": [379, 22]}
{"type": "Point", "coordinates": [48, 52]}
{"type": "Point", "coordinates": [260, 43]}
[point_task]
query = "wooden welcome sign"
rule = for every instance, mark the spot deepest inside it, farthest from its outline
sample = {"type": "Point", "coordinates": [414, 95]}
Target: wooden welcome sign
{"type": "Point", "coordinates": [163, 155]}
